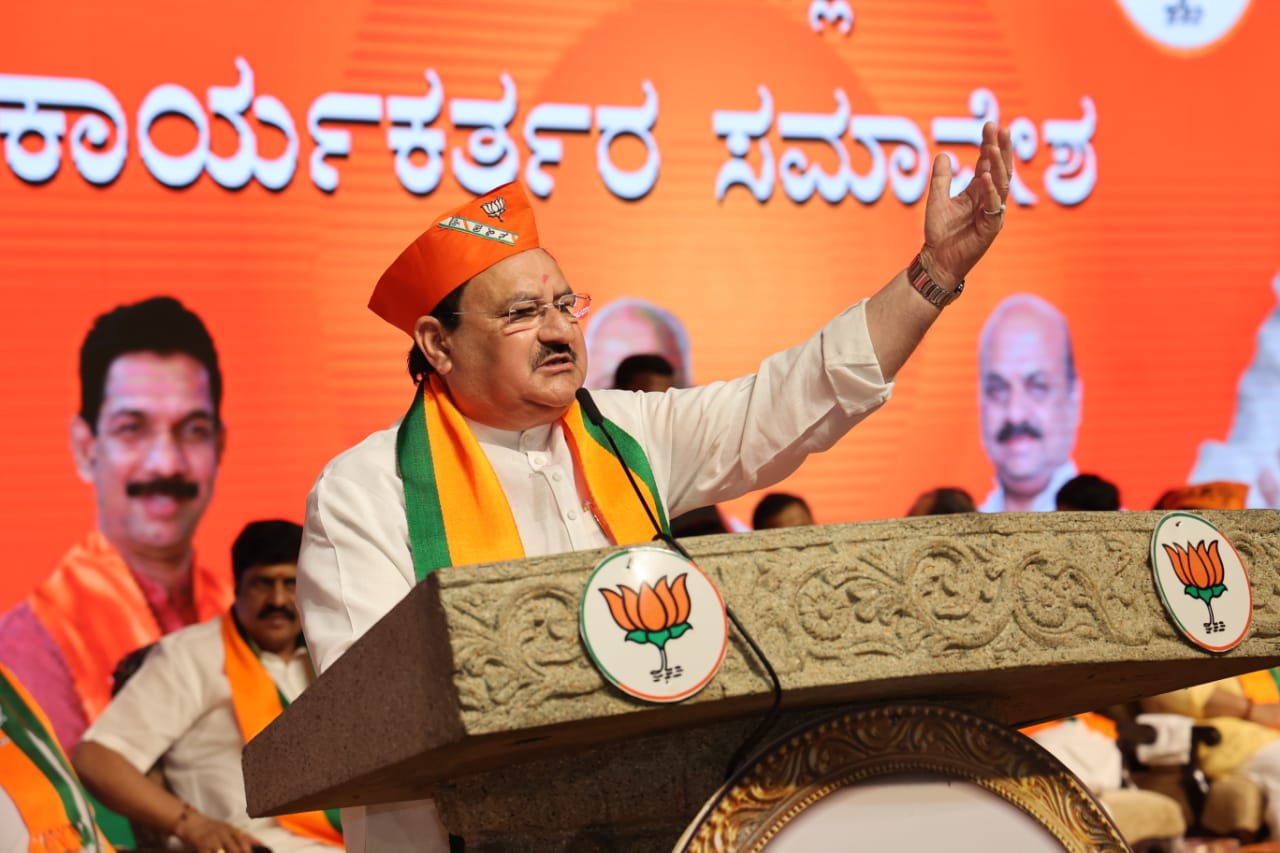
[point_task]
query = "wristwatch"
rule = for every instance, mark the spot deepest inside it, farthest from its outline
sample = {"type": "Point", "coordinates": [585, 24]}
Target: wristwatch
{"type": "Point", "coordinates": [934, 293]}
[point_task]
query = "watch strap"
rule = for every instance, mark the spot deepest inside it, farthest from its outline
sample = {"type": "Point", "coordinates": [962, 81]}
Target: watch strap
{"type": "Point", "coordinates": [934, 293]}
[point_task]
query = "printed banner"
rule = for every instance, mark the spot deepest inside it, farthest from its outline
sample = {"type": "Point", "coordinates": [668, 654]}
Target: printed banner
{"type": "Point", "coordinates": [721, 177]}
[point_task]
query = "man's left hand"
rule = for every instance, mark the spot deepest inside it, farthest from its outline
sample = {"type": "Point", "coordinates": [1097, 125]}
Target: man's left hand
{"type": "Point", "coordinates": [958, 230]}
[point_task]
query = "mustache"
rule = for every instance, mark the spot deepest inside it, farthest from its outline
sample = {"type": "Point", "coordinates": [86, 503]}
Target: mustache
{"type": "Point", "coordinates": [271, 610]}
{"type": "Point", "coordinates": [174, 487]}
{"type": "Point", "coordinates": [546, 352]}
{"type": "Point", "coordinates": [1010, 431]}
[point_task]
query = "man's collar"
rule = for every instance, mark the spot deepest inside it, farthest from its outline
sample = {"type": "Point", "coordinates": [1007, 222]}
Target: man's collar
{"type": "Point", "coordinates": [534, 438]}
{"type": "Point", "coordinates": [1044, 499]}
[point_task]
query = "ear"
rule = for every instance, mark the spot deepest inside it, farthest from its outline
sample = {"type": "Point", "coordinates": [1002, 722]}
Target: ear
{"type": "Point", "coordinates": [221, 442]}
{"type": "Point", "coordinates": [433, 339]}
{"type": "Point", "coordinates": [84, 446]}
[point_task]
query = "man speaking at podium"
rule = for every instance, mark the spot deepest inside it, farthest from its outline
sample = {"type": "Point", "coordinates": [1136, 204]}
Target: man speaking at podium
{"type": "Point", "coordinates": [497, 459]}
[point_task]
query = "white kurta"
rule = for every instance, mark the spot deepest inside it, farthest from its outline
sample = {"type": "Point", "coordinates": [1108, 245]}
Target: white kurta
{"type": "Point", "coordinates": [705, 445]}
{"type": "Point", "coordinates": [177, 707]}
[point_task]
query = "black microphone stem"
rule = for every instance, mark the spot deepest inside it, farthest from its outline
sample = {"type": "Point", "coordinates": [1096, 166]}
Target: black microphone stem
{"type": "Point", "coordinates": [744, 749]}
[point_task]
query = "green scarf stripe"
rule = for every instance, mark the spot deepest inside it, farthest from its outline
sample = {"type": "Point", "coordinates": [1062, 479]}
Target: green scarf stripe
{"type": "Point", "coordinates": [633, 457]}
{"type": "Point", "coordinates": [23, 727]}
{"type": "Point", "coordinates": [427, 538]}
{"type": "Point", "coordinates": [1275, 676]}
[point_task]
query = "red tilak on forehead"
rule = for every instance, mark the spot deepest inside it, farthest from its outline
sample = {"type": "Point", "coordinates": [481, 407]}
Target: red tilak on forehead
{"type": "Point", "coordinates": [545, 276]}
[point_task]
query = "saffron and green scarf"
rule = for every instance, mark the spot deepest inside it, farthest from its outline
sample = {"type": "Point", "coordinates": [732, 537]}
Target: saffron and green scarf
{"type": "Point", "coordinates": [257, 701]}
{"type": "Point", "coordinates": [459, 515]}
{"type": "Point", "coordinates": [38, 777]}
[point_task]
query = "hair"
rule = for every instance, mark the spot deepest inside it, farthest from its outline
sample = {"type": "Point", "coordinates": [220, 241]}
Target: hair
{"type": "Point", "coordinates": [1088, 492]}
{"type": "Point", "coordinates": [161, 325]}
{"type": "Point", "coordinates": [127, 666]}
{"type": "Point", "coordinates": [703, 521]}
{"type": "Point", "coordinates": [772, 504]}
{"type": "Point", "coordinates": [637, 365]}
{"type": "Point", "coordinates": [946, 500]}
{"type": "Point", "coordinates": [445, 312]}
{"type": "Point", "coordinates": [1045, 308]}
{"type": "Point", "coordinates": [265, 543]}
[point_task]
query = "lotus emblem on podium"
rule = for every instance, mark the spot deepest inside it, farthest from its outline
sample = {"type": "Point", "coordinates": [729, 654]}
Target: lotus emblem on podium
{"type": "Point", "coordinates": [649, 593]}
{"type": "Point", "coordinates": [1200, 570]}
{"type": "Point", "coordinates": [654, 614]}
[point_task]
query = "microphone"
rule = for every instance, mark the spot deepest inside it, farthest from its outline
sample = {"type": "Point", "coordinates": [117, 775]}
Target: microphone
{"type": "Point", "coordinates": [597, 420]}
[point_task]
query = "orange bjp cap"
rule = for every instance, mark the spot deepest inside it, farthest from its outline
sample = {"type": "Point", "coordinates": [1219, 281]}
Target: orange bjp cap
{"type": "Point", "coordinates": [460, 244]}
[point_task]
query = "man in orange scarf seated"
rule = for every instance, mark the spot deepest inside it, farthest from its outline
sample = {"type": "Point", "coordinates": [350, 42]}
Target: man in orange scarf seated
{"type": "Point", "coordinates": [148, 437]}
{"type": "Point", "coordinates": [43, 809]}
{"type": "Point", "coordinates": [499, 457]}
{"type": "Point", "coordinates": [1246, 709]}
{"type": "Point", "coordinates": [202, 693]}
{"type": "Point", "coordinates": [1086, 745]}
{"type": "Point", "coordinates": [1246, 712]}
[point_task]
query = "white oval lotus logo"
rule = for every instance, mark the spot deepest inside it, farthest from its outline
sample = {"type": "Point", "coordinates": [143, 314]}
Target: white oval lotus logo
{"type": "Point", "coordinates": [1185, 26]}
{"type": "Point", "coordinates": [1202, 581]}
{"type": "Point", "coordinates": [653, 623]}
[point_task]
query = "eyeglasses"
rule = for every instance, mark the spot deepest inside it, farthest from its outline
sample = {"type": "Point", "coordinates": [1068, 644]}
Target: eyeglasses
{"type": "Point", "coordinates": [528, 313]}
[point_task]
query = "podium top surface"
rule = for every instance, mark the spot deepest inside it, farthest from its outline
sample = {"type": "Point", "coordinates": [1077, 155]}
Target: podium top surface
{"type": "Point", "coordinates": [1018, 617]}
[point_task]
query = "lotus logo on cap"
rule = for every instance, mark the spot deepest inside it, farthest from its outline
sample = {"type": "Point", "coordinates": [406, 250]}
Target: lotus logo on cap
{"type": "Point", "coordinates": [495, 208]}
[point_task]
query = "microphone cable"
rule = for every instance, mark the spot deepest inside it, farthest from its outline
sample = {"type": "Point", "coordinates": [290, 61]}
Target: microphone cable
{"type": "Point", "coordinates": [767, 721]}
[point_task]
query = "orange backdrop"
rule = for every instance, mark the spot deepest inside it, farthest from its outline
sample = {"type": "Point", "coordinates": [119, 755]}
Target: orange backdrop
{"type": "Point", "coordinates": [1162, 264]}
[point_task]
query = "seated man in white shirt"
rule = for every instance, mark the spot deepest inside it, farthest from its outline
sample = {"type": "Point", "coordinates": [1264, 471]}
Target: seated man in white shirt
{"type": "Point", "coordinates": [201, 694]}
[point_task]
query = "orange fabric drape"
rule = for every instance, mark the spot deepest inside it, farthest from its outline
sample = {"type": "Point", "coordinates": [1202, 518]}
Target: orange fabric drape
{"type": "Point", "coordinates": [1260, 687]}
{"type": "Point", "coordinates": [96, 613]}
{"type": "Point", "coordinates": [257, 701]}
{"type": "Point", "coordinates": [43, 812]}
{"type": "Point", "coordinates": [1102, 725]}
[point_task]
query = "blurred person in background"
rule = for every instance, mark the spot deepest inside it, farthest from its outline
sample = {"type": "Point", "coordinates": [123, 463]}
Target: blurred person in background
{"type": "Point", "coordinates": [1216, 495]}
{"type": "Point", "coordinates": [149, 438]}
{"type": "Point", "coordinates": [198, 698]}
{"type": "Point", "coordinates": [946, 500]}
{"type": "Point", "coordinates": [1030, 401]}
{"type": "Point", "coordinates": [1251, 452]}
{"type": "Point", "coordinates": [627, 327]}
{"type": "Point", "coordinates": [780, 509]}
{"type": "Point", "coordinates": [1088, 492]}
{"type": "Point", "coordinates": [645, 372]}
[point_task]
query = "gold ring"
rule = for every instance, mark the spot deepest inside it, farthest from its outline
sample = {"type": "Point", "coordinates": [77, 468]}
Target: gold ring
{"type": "Point", "coordinates": [220, 850]}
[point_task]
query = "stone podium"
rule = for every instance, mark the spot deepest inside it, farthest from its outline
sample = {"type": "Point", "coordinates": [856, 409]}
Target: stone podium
{"type": "Point", "coordinates": [475, 688]}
